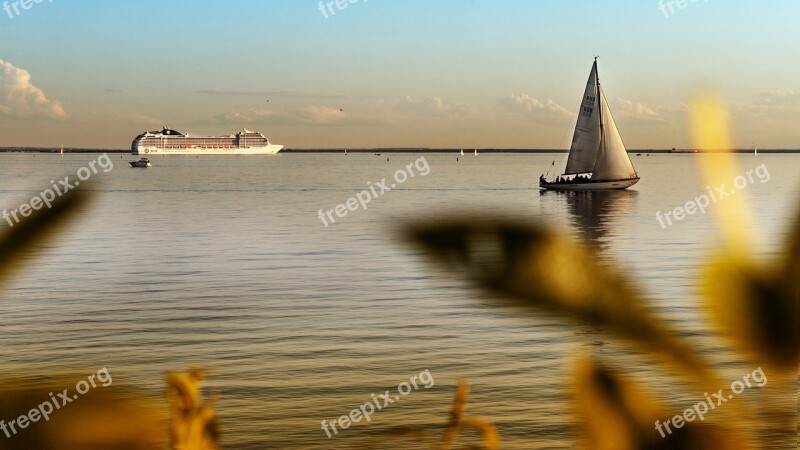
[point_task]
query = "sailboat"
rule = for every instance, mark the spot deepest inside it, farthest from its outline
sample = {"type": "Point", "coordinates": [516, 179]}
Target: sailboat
{"type": "Point", "coordinates": [462, 152]}
{"type": "Point", "coordinates": [756, 151]}
{"type": "Point", "coordinates": [476, 152]}
{"type": "Point", "coordinates": [62, 150]}
{"type": "Point", "coordinates": [597, 158]}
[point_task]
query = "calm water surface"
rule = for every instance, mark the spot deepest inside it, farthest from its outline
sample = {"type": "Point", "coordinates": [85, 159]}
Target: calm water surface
{"type": "Point", "coordinates": [222, 262]}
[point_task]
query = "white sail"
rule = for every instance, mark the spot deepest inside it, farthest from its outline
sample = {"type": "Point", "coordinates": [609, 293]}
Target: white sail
{"type": "Point", "coordinates": [586, 140]}
{"type": "Point", "coordinates": [613, 162]}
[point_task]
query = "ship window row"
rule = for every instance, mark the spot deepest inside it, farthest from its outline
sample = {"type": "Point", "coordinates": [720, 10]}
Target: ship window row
{"type": "Point", "coordinates": [189, 141]}
{"type": "Point", "coordinates": [204, 139]}
{"type": "Point", "coordinates": [167, 143]}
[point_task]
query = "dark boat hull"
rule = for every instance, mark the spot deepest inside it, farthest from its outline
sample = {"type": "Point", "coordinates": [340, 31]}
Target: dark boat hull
{"type": "Point", "coordinates": [589, 185]}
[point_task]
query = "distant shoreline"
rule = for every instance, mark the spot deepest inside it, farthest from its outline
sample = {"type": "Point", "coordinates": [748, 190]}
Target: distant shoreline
{"type": "Point", "coordinates": [467, 152]}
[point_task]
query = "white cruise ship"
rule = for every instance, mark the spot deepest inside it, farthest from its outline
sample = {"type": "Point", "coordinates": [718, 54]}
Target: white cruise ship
{"type": "Point", "coordinates": [171, 142]}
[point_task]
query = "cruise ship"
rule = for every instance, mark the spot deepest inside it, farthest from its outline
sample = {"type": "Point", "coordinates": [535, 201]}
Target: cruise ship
{"type": "Point", "coordinates": [171, 142]}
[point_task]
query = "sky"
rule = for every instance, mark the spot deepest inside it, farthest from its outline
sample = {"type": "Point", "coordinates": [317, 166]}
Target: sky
{"type": "Point", "coordinates": [393, 73]}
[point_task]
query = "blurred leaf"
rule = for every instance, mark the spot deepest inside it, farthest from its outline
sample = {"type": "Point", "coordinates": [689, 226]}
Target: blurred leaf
{"type": "Point", "coordinates": [710, 127]}
{"type": "Point", "coordinates": [458, 422]}
{"type": "Point", "coordinates": [791, 282]}
{"type": "Point", "coordinates": [538, 269]}
{"type": "Point", "coordinates": [194, 423]}
{"type": "Point", "coordinates": [105, 418]}
{"type": "Point", "coordinates": [759, 305]}
{"type": "Point", "coordinates": [34, 231]}
{"type": "Point", "coordinates": [621, 416]}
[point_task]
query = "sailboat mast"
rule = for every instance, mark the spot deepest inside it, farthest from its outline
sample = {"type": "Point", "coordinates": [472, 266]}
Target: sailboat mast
{"type": "Point", "coordinates": [599, 101]}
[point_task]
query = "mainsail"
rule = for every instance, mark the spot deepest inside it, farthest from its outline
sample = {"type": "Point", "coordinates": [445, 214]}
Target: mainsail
{"type": "Point", "coordinates": [586, 140]}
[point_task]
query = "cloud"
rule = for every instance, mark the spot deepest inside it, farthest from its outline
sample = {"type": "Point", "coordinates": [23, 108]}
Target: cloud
{"type": "Point", "coordinates": [320, 115]}
{"type": "Point", "coordinates": [775, 106]}
{"type": "Point", "coordinates": [142, 119]}
{"type": "Point", "coordinates": [236, 93]}
{"type": "Point", "coordinates": [789, 98]}
{"type": "Point", "coordinates": [773, 103]}
{"type": "Point", "coordinates": [308, 115]}
{"type": "Point", "coordinates": [282, 94]}
{"type": "Point", "coordinates": [20, 98]}
{"type": "Point", "coordinates": [547, 111]}
{"type": "Point", "coordinates": [383, 111]}
{"type": "Point", "coordinates": [635, 110]}
{"type": "Point", "coordinates": [241, 117]}
{"type": "Point", "coordinates": [428, 107]}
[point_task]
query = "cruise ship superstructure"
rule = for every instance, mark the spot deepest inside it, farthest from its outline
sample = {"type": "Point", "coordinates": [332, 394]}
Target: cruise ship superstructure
{"type": "Point", "coordinates": [171, 142]}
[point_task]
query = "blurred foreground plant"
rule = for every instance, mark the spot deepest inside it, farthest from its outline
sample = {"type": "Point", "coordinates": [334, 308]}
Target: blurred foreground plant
{"type": "Point", "coordinates": [755, 304]}
{"type": "Point", "coordinates": [111, 418]}
{"type": "Point", "coordinates": [459, 422]}
{"type": "Point", "coordinates": [194, 423]}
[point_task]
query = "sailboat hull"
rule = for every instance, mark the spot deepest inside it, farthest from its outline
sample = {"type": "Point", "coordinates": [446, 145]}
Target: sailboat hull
{"type": "Point", "coordinates": [590, 185]}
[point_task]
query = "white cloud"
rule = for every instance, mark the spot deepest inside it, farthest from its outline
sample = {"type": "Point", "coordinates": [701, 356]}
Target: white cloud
{"type": "Point", "coordinates": [635, 110]}
{"type": "Point", "coordinates": [20, 98]}
{"type": "Point", "coordinates": [284, 94]}
{"type": "Point", "coordinates": [143, 119]}
{"type": "Point", "coordinates": [307, 115]}
{"type": "Point", "coordinates": [321, 115]}
{"type": "Point", "coordinates": [547, 111]}
{"type": "Point", "coordinates": [433, 106]}
{"type": "Point", "coordinates": [773, 103]}
{"type": "Point", "coordinates": [789, 98]}
{"type": "Point", "coordinates": [240, 117]}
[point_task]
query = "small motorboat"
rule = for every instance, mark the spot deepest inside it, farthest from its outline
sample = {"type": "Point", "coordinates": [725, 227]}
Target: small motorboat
{"type": "Point", "coordinates": [144, 162]}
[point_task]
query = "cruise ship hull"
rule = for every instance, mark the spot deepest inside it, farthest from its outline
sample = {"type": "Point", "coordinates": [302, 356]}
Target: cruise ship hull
{"type": "Point", "coordinates": [170, 142]}
{"type": "Point", "coordinates": [155, 151]}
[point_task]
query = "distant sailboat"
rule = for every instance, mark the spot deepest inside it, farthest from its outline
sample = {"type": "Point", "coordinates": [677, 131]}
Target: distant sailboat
{"type": "Point", "coordinates": [462, 152]}
{"type": "Point", "coordinates": [345, 152]}
{"type": "Point", "coordinates": [756, 151]}
{"type": "Point", "coordinates": [62, 150]}
{"type": "Point", "coordinates": [597, 156]}
{"type": "Point", "coordinates": [476, 152]}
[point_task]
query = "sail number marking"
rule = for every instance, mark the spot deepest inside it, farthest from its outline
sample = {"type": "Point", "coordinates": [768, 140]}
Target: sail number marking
{"type": "Point", "coordinates": [588, 107]}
